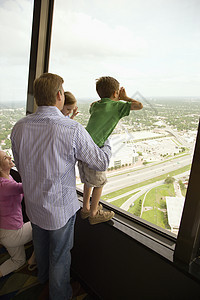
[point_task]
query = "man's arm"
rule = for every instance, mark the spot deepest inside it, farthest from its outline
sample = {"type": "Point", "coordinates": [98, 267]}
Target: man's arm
{"type": "Point", "coordinates": [87, 151]}
{"type": "Point", "coordinates": [135, 105]}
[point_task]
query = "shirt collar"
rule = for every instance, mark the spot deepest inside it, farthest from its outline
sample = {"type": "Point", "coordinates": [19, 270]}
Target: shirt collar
{"type": "Point", "coordinates": [49, 109]}
{"type": "Point", "coordinates": [106, 99]}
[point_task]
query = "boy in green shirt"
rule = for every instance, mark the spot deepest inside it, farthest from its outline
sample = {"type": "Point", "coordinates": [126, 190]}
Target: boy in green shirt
{"type": "Point", "coordinates": [105, 114]}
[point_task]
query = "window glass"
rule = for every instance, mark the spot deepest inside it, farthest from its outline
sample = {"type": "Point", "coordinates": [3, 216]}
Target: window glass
{"type": "Point", "coordinates": [15, 36]}
{"type": "Point", "coordinates": [152, 49]}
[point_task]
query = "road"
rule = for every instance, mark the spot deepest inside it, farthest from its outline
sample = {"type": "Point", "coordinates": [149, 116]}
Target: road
{"type": "Point", "coordinates": [124, 180]}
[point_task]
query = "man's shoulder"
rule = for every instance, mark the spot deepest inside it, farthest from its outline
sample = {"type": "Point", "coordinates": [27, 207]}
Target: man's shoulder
{"type": "Point", "coordinates": [69, 124]}
{"type": "Point", "coordinates": [22, 120]}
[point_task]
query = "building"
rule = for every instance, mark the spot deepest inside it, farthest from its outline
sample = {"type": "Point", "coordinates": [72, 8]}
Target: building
{"type": "Point", "coordinates": [123, 153]}
{"type": "Point", "coordinates": [174, 211]}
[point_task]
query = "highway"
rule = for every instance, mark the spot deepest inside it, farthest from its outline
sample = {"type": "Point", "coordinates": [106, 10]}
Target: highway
{"type": "Point", "coordinates": [148, 172]}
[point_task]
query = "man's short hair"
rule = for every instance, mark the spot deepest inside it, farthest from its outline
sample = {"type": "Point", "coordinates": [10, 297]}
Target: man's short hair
{"type": "Point", "coordinates": [106, 86]}
{"type": "Point", "coordinates": [45, 89]}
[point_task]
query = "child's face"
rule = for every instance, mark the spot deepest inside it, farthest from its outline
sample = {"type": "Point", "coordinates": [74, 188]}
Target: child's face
{"type": "Point", "coordinates": [68, 109]}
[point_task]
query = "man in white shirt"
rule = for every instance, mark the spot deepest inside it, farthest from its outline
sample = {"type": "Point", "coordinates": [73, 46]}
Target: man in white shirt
{"type": "Point", "coordinates": [46, 146]}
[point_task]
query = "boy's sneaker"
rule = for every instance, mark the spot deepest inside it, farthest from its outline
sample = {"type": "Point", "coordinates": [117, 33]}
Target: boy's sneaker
{"type": "Point", "coordinates": [86, 214]}
{"type": "Point", "coordinates": [101, 216]}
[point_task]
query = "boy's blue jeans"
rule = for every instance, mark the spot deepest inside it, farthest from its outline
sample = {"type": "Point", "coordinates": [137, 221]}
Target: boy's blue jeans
{"type": "Point", "coordinates": [53, 256]}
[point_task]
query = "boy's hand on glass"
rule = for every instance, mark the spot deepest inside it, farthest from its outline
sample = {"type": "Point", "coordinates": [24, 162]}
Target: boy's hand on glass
{"type": "Point", "coordinates": [122, 94]}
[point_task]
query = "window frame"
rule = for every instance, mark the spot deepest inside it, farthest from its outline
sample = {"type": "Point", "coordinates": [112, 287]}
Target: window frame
{"type": "Point", "coordinates": [188, 239]}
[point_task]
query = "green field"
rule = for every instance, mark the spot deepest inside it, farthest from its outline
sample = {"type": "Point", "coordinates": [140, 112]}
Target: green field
{"type": "Point", "coordinates": [155, 196]}
{"type": "Point", "coordinates": [136, 208]}
{"type": "Point", "coordinates": [155, 201]}
{"type": "Point", "coordinates": [156, 217]}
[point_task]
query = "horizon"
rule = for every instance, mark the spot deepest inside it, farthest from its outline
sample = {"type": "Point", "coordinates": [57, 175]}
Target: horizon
{"type": "Point", "coordinates": [89, 99]}
{"type": "Point", "coordinates": [159, 60]}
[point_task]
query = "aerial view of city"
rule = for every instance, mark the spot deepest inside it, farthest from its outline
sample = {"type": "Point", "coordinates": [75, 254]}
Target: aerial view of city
{"type": "Point", "coordinates": [152, 152]}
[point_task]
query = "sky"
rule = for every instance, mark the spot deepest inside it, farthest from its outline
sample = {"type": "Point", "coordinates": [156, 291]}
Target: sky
{"type": "Point", "coordinates": [149, 46]}
{"type": "Point", "coordinates": [15, 38]}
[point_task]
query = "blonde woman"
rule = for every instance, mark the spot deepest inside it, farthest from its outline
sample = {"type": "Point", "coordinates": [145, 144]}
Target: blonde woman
{"type": "Point", "coordinates": [13, 232]}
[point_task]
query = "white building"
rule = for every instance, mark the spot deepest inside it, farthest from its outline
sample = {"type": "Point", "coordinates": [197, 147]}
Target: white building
{"type": "Point", "coordinates": [174, 212]}
{"type": "Point", "coordinates": [123, 152]}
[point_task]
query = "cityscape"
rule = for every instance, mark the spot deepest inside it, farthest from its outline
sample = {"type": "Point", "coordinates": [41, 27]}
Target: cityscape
{"type": "Point", "coordinates": [152, 152]}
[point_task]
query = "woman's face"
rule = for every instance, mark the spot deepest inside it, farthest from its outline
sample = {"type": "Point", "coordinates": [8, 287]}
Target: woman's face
{"type": "Point", "coordinates": [68, 109]}
{"type": "Point", "coordinates": [5, 161]}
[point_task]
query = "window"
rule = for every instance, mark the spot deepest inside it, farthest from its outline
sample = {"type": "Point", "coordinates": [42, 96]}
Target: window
{"type": "Point", "coordinates": [15, 36]}
{"type": "Point", "coordinates": [152, 49]}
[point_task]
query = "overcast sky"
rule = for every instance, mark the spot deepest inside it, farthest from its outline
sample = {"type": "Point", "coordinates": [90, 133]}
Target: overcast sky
{"type": "Point", "coordinates": [150, 46]}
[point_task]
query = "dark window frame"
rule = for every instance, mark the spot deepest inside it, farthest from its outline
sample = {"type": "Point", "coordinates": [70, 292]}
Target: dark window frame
{"type": "Point", "coordinates": [188, 239]}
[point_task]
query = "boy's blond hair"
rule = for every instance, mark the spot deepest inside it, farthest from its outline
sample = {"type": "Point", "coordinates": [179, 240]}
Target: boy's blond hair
{"type": "Point", "coordinates": [69, 98]}
{"type": "Point", "coordinates": [106, 86]}
{"type": "Point", "coordinates": [46, 87]}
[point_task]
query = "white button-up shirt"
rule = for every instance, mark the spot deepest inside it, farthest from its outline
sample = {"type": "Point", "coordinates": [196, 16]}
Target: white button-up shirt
{"type": "Point", "coordinates": [46, 146]}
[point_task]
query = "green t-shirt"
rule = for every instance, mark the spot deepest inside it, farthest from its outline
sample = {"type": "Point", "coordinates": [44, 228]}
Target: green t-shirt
{"type": "Point", "coordinates": [105, 114]}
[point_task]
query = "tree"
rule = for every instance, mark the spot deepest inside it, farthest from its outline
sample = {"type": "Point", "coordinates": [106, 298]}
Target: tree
{"type": "Point", "coordinates": [182, 186]}
{"type": "Point", "coordinates": [169, 180]}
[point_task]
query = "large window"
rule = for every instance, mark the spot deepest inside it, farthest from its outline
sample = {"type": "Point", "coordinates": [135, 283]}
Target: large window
{"type": "Point", "coordinates": [152, 49]}
{"type": "Point", "coordinates": [15, 36]}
